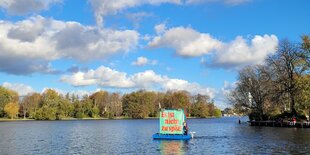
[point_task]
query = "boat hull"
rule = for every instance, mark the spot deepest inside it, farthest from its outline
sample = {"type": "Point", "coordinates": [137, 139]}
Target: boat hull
{"type": "Point", "coordinates": [171, 137]}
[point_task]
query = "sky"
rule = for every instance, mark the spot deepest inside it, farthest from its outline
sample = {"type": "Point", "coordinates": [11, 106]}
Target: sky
{"type": "Point", "coordinates": [82, 46]}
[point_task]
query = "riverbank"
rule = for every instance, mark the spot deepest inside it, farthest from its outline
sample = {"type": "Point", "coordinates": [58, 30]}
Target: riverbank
{"type": "Point", "coordinates": [88, 118]}
{"type": "Point", "coordinates": [298, 124]}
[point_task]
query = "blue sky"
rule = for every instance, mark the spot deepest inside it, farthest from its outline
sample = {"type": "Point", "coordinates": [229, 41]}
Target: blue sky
{"type": "Point", "coordinates": [125, 45]}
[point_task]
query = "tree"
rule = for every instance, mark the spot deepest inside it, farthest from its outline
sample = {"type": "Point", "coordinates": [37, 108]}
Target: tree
{"type": "Point", "coordinates": [305, 46]}
{"type": "Point", "coordinates": [303, 97]}
{"type": "Point", "coordinates": [252, 91]}
{"type": "Point", "coordinates": [177, 99]}
{"type": "Point", "coordinates": [288, 64]}
{"type": "Point", "coordinates": [115, 108]}
{"type": "Point", "coordinates": [46, 113]}
{"type": "Point", "coordinates": [64, 109]}
{"type": "Point", "coordinates": [7, 96]}
{"type": "Point", "coordinates": [217, 113]}
{"type": "Point", "coordinates": [11, 109]}
{"type": "Point", "coordinates": [134, 105]}
{"type": "Point", "coordinates": [30, 104]}
{"type": "Point", "coordinates": [100, 100]}
{"type": "Point", "coordinates": [87, 107]}
{"type": "Point", "coordinates": [49, 106]}
{"type": "Point", "coordinates": [199, 106]}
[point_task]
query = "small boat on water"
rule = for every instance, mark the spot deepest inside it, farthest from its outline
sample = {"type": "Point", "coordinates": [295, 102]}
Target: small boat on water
{"type": "Point", "coordinates": [173, 126]}
{"type": "Point", "coordinates": [171, 136]}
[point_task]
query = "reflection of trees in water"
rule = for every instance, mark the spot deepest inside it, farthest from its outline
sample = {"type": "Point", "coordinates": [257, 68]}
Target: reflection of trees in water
{"type": "Point", "coordinates": [172, 147]}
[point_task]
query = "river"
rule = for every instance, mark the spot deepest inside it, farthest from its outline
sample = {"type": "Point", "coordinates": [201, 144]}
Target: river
{"type": "Point", "coordinates": [213, 136]}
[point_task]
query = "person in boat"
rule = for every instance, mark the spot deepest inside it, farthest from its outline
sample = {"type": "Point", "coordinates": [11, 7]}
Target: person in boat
{"type": "Point", "coordinates": [185, 128]}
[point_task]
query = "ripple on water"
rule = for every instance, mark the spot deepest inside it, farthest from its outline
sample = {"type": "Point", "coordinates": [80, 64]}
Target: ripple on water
{"type": "Point", "coordinates": [213, 136]}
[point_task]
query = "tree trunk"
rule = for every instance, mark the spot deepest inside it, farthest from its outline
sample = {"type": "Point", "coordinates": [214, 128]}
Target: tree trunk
{"type": "Point", "coordinates": [293, 110]}
{"type": "Point", "coordinates": [24, 114]}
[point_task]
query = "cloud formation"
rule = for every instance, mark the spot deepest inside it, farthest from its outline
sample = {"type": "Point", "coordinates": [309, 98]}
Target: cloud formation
{"type": "Point", "coordinates": [239, 53]}
{"type": "Point", "coordinates": [142, 61]}
{"type": "Point", "coordinates": [103, 8]}
{"type": "Point", "coordinates": [20, 88]}
{"type": "Point", "coordinates": [30, 45]}
{"type": "Point", "coordinates": [24, 7]}
{"type": "Point", "coordinates": [107, 77]}
{"type": "Point", "coordinates": [188, 42]}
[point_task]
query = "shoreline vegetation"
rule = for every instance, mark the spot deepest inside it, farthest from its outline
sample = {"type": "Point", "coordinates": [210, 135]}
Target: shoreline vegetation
{"type": "Point", "coordinates": [50, 105]}
{"type": "Point", "coordinates": [279, 89]}
{"type": "Point", "coordinates": [99, 118]}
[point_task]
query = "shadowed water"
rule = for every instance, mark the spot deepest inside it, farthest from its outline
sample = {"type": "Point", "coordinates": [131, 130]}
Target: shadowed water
{"type": "Point", "coordinates": [213, 136]}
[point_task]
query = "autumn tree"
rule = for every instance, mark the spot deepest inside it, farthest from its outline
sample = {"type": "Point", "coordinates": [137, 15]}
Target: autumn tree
{"type": "Point", "coordinates": [199, 106]}
{"type": "Point", "coordinates": [303, 97]}
{"type": "Point", "coordinates": [100, 100]}
{"type": "Point", "coordinates": [30, 104]}
{"type": "Point", "coordinates": [176, 99]}
{"type": "Point", "coordinates": [114, 106]}
{"type": "Point", "coordinates": [252, 91]}
{"type": "Point", "coordinates": [7, 96]}
{"type": "Point", "coordinates": [11, 109]}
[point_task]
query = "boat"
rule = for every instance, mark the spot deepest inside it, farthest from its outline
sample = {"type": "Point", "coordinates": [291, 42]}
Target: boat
{"type": "Point", "coordinates": [171, 136]}
{"type": "Point", "coordinates": [173, 126]}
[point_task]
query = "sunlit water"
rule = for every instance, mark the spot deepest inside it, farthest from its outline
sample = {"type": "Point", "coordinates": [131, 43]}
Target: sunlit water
{"type": "Point", "coordinates": [213, 136]}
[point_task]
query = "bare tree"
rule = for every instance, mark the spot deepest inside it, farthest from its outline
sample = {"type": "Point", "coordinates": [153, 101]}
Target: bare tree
{"type": "Point", "coordinates": [252, 91]}
{"type": "Point", "coordinates": [288, 66]}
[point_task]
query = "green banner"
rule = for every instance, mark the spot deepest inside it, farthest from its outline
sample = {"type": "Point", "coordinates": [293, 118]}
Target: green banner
{"type": "Point", "coordinates": [171, 121]}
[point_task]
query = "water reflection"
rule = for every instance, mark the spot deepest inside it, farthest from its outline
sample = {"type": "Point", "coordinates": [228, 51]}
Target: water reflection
{"type": "Point", "coordinates": [213, 136]}
{"type": "Point", "coordinates": [172, 147]}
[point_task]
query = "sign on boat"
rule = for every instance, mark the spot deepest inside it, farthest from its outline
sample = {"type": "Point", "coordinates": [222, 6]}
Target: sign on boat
{"type": "Point", "coordinates": [172, 125]}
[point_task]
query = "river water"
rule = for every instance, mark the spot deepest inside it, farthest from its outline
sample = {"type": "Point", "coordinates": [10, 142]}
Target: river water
{"type": "Point", "coordinates": [213, 136]}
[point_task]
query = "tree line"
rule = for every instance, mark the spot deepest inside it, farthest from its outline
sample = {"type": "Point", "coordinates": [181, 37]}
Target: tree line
{"type": "Point", "coordinates": [51, 105]}
{"type": "Point", "coordinates": [279, 88]}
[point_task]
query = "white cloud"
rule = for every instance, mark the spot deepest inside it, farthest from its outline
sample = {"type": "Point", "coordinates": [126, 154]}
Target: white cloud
{"type": "Point", "coordinates": [193, 88]}
{"type": "Point", "coordinates": [23, 90]}
{"type": "Point", "coordinates": [103, 76]}
{"type": "Point", "coordinates": [142, 61]}
{"type": "Point", "coordinates": [20, 88]}
{"type": "Point", "coordinates": [30, 45]}
{"type": "Point", "coordinates": [239, 53]}
{"type": "Point", "coordinates": [221, 95]}
{"type": "Point", "coordinates": [23, 7]}
{"type": "Point", "coordinates": [186, 41]}
{"type": "Point", "coordinates": [190, 43]}
{"type": "Point", "coordinates": [107, 7]}
{"type": "Point", "coordinates": [107, 77]}
{"type": "Point", "coordinates": [160, 28]}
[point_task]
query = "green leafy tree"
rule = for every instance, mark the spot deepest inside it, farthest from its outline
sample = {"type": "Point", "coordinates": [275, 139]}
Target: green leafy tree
{"type": "Point", "coordinates": [65, 108]}
{"type": "Point", "coordinates": [217, 113]}
{"type": "Point", "coordinates": [132, 105]}
{"type": "Point", "coordinates": [49, 109]}
{"type": "Point", "coordinates": [46, 113]}
{"type": "Point", "coordinates": [199, 106]}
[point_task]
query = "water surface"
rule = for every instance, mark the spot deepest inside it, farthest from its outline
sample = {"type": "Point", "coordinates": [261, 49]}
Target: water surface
{"type": "Point", "coordinates": [213, 136]}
